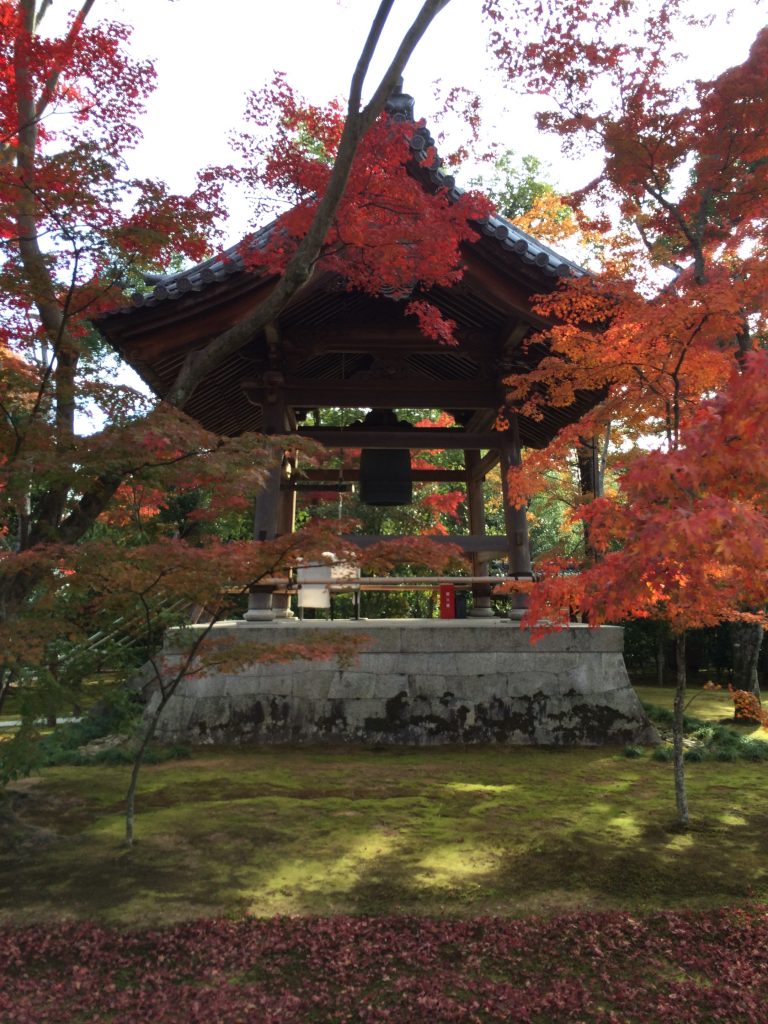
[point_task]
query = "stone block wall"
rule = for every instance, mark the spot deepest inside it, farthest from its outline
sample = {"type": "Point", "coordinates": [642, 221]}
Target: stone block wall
{"type": "Point", "coordinates": [418, 682]}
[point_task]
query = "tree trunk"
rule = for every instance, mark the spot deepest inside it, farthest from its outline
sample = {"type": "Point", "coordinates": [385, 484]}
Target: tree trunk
{"type": "Point", "coordinates": [167, 689]}
{"type": "Point", "coordinates": [6, 680]}
{"type": "Point", "coordinates": [681, 797]}
{"type": "Point", "coordinates": [589, 484]}
{"type": "Point", "coordinates": [660, 654]}
{"type": "Point", "coordinates": [138, 760]}
{"type": "Point", "coordinates": [747, 638]}
{"type": "Point", "coordinates": [16, 588]}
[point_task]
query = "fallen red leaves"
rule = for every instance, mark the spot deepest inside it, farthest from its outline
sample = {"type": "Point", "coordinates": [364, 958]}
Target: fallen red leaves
{"type": "Point", "coordinates": [682, 967]}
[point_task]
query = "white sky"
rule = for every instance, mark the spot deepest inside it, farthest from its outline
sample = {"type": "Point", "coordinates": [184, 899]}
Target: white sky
{"type": "Point", "coordinates": [209, 53]}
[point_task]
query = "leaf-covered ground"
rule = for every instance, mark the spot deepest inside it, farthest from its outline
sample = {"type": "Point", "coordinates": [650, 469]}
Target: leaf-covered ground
{"type": "Point", "coordinates": [447, 873]}
{"type": "Point", "coordinates": [614, 969]}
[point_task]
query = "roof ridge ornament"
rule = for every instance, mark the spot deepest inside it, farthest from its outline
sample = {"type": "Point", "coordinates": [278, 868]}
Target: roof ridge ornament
{"type": "Point", "coordinates": [399, 105]}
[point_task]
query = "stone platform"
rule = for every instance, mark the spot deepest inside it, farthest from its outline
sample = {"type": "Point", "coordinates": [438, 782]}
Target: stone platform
{"type": "Point", "coordinates": [418, 682]}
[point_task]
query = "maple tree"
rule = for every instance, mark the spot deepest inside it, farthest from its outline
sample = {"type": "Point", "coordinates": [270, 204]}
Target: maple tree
{"type": "Point", "coordinates": [375, 239]}
{"type": "Point", "coordinates": [74, 226]}
{"type": "Point", "coordinates": [684, 167]}
{"type": "Point", "coordinates": [329, 162]}
{"type": "Point", "coordinates": [67, 188]}
{"type": "Point", "coordinates": [554, 481]}
{"type": "Point", "coordinates": [75, 230]}
{"type": "Point", "coordinates": [85, 526]}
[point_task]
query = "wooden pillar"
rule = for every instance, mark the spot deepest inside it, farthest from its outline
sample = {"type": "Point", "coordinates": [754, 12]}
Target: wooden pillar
{"type": "Point", "coordinates": [481, 593]}
{"type": "Point", "coordinates": [587, 455]}
{"type": "Point", "coordinates": [286, 523]}
{"type": "Point", "coordinates": [266, 512]}
{"type": "Point", "coordinates": [515, 520]}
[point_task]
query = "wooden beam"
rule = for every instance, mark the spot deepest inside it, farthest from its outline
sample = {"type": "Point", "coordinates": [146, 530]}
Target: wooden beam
{"type": "Point", "coordinates": [478, 469]}
{"type": "Point", "coordinates": [397, 336]}
{"type": "Point", "coordinates": [499, 291]}
{"type": "Point", "coordinates": [476, 508]}
{"type": "Point", "coordinates": [441, 438]}
{"type": "Point", "coordinates": [482, 420]}
{"type": "Point", "coordinates": [487, 548]}
{"type": "Point", "coordinates": [272, 337]}
{"type": "Point", "coordinates": [487, 462]}
{"type": "Point", "coordinates": [401, 394]}
{"type": "Point", "coordinates": [515, 336]}
{"type": "Point", "coordinates": [516, 519]}
{"type": "Point", "coordinates": [442, 476]}
{"type": "Point", "coordinates": [384, 336]}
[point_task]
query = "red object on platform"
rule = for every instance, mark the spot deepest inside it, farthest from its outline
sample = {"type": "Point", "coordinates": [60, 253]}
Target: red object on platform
{"type": "Point", "coordinates": [447, 601]}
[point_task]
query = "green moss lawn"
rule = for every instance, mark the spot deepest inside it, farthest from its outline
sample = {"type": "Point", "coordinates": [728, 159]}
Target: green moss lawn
{"type": "Point", "coordinates": [351, 831]}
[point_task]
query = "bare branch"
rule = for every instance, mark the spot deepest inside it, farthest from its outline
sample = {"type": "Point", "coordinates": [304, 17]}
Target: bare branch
{"type": "Point", "coordinates": [43, 10]}
{"type": "Point", "coordinates": [302, 263]}
{"type": "Point", "coordinates": [410, 41]}
{"type": "Point", "coordinates": [361, 70]}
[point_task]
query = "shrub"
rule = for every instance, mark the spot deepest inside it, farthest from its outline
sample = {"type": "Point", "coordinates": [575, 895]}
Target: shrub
{"type": "Point", "coordinates": [633, 751]}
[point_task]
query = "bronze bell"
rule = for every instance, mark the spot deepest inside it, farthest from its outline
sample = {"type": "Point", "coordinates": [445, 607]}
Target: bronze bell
{"type": "Point", "coordinates": [385, 473]}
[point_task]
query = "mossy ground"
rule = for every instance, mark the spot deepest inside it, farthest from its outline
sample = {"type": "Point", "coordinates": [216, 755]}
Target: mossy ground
{"type": "Point", "coordinates": [707, 705]}
{"type": "Point", "coordinates": [465, 832]}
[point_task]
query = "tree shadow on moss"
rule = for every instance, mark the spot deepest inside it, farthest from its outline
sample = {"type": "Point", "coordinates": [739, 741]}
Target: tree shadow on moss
{"type": "Point", "coordinates": [470, 832]}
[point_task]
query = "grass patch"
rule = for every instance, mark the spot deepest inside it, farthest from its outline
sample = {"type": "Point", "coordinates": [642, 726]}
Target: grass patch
{"type": "Point", "coordinates": [459, 832]}
{"type": "Point", "coordinates": [703, 706]}
{"type": "Point", "coordinates": [712, 737]}
{"type": "Point", "coordinates": [105, 735]}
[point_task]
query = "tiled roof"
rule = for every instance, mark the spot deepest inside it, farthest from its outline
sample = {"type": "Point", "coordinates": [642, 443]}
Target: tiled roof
{"type": "Point", "coordinates": [512, 241]}
{"type": "Point", "coordinates": [195, 279]}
